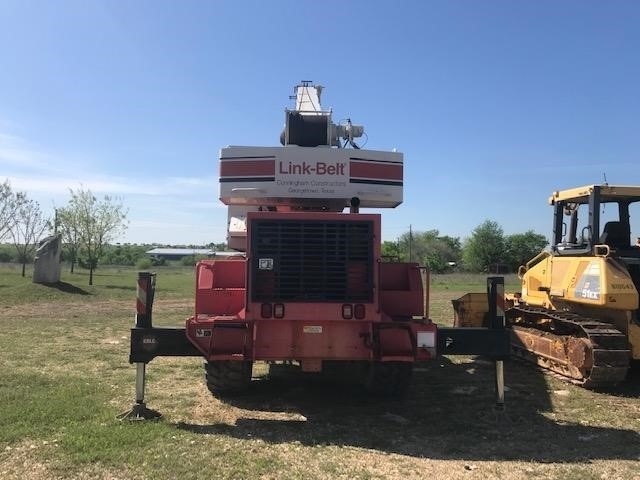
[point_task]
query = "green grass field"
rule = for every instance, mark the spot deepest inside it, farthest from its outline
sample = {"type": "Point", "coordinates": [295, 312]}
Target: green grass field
{"type": "Point", "coordinates": [66, 376]}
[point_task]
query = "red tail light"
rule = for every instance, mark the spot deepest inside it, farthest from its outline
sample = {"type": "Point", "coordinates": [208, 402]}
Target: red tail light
{"type": "Point", "coordinates": [359, 311]}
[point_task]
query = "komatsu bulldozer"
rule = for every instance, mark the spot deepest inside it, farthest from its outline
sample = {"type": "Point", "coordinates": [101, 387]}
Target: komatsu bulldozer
{"type": "Point", "coordinates": [577, 312]}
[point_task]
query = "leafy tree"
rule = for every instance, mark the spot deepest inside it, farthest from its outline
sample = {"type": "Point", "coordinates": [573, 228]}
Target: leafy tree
{"type": "Point", "coordinates": [69, 224]}
{"type": "Point", "coordinates": [10, 203]}
{"type": "Point", "coordinates": [98, 221]}
{"type": "Point", "coordinates": [390, 251]}
{"type": "Point", "coordinates": [123, 254]}
{"type": "Point", "coordinates": [7, 254]}
{"type": "Point", "coordinates": [158, 261]}
{"type": "Point", "coordinates": [522, 247]}
{"type": "Point", "coordinates": [442, 252]}
{"type": "Point", "coordinates": [429, 249]}
{"type": "Point", "coordinates": [144, 264]}
{"type": "Point", "coordinates": [485, 247]}
{"type": "Point", "coordinates": [26, 230]}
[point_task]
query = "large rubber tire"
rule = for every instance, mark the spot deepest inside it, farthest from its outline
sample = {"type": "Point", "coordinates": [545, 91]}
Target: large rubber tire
{"type": "Point", "coordinates": [227, 377]}
{"type": "Point", "coordinates": [388, 379]}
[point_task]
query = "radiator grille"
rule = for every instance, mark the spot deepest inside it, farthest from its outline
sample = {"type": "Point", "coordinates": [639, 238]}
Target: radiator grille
{"type": "Point", "coordinates": [311, 261]}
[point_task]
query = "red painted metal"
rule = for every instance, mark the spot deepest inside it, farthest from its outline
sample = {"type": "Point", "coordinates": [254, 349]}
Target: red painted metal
{"type": "Point", "coordinates": [321, 339]}
{"type": "Point", "coordinates": [228, 326]}
{"type": "Point", "coordinates": [141, 300]}
{"type": "Point", "coordinates": [401, 291]}
{"type": "Point", "coordinates": [248, 168]}
{"type": "Point", "coordinates": [395, 340]}
{"type": "Point", "coordinates": [220, 287]}
{"type": "Point", "coordinates": [372, 170]}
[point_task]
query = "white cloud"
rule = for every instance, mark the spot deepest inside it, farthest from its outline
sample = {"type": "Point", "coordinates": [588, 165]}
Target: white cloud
{"type": "Point", "coordinates": [32, 170]}
{"type": "Point", "coordinates": [104, 184]}
{"type": "Point", "coordinates": [18, 156]}
{"type": "Point", "coordinates": [15, 152]}
{"type": "Point", "coordinates": [171, 209]}
{"type": "Point", "coordinates": [194, 181]}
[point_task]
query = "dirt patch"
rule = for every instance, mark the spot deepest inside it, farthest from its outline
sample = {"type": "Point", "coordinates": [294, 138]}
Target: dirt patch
{"type": "Point", "coordinates": [209, 410]}
{"type": "Point", "coordinates": [29, 459]}
{"type": "Point", "coordinates": [21, 458]}
{"type": "Point", "coordinates": [80, 309]}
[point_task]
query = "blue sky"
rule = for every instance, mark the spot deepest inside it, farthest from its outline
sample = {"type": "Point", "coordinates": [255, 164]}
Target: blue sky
{"type": "Point", "coordinates": [494, 104]}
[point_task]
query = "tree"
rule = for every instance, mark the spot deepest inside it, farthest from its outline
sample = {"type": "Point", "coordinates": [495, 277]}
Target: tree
{"type": "Point", "coordinates": [69, 225]}
{"type": "Point", "coordinates": [485, 247]}
{"type": "Point", "coordinates": [26, 230]}
{"type": "Point", "coordinates": [123, 254]}
{"type": "Point", "coordinates": [442, 252]}
{"type": "Point", "coordinates": [390, 251]}
{"type": "Point", "coordinates": [522, 247]}
{"type": "Point", "coordinates": [10, 202]}
{"type": "Point", "coordinates": [429, 249]}
{"type": "Point", "coordinates": [98, 222]}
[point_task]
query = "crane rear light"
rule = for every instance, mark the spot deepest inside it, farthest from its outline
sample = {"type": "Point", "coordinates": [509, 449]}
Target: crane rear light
{"type": "Point", "coordinates": [347, 311]}
{"type": "Point", "coordinates": [278, 310]}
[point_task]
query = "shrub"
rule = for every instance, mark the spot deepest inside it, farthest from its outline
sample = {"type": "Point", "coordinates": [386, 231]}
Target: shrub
{"type": "Point", "coordinates": [143, 264]}
{"type": "Point", "coordinates": [188, 261]}
{"type": "Point", "coordinates": [191, 260]}
{"type": "Point", "coordinates": [158, 261]}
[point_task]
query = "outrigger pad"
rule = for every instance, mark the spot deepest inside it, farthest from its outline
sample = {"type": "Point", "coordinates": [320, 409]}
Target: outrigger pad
{"type": "Point", "coordinates": [140, 412]}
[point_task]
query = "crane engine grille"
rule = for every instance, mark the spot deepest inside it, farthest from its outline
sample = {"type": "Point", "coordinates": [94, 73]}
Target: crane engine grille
{"type": "Point", "coordinates": [311, 261]}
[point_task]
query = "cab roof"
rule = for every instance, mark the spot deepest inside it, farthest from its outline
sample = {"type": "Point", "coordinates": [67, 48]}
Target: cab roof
{"type": "Point", "coordinates": [608, 193]}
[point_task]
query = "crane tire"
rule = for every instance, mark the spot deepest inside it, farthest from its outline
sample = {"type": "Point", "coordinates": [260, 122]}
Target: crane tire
{"type": "Point", "coordinates": [227, 377]}
{"type": "Point", "coordinates": [389, 379]}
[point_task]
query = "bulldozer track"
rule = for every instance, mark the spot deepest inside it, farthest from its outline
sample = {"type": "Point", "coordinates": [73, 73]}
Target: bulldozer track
{"type": "Point", "coordinates": [581, 350]}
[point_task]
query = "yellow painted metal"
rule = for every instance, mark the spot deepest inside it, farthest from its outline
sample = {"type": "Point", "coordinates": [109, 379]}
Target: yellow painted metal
{"type": "Point", "coordinates": [581, 194]}
{"type": "Point", "coordinates": [535, 281]}
{"type": "Point", "coordinates": [470, 310]}
{"type": "Point", "coordinates": [599, 281]}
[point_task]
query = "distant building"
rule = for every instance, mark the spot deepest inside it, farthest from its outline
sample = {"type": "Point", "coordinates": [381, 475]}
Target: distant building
{"type": "Point", "coordinates": [179, 253]}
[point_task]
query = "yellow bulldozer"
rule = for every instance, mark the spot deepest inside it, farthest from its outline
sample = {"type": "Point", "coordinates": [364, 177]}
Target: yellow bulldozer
{"type": "Point", "coordinates": [577, 312]}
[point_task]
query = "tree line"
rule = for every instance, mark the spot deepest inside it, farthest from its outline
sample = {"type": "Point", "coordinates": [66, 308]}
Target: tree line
{"type": "Point", "coordinates": [486, 248]}
{"type": "Point", "coordinates": [87, 225]}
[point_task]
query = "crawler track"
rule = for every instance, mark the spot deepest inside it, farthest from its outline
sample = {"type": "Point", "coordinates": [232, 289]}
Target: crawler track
{"type": "Point", "coordinates": [581, 349]}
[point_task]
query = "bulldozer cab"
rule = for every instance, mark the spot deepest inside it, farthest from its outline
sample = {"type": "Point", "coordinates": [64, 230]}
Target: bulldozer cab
{"type": "Point", "coordinates": [596, 220]}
